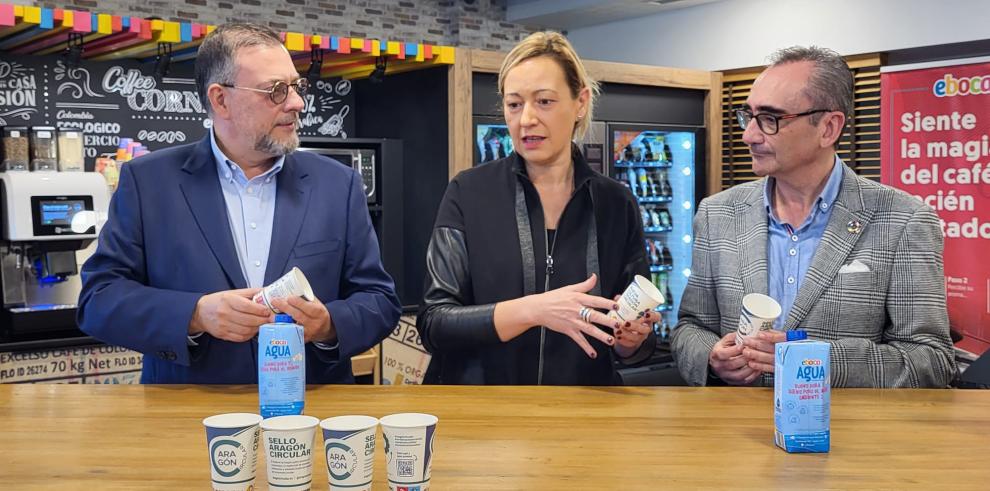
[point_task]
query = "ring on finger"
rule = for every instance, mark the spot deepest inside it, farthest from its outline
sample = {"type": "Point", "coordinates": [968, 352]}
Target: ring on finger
{"type": "Point", "coordinates": [585, 314]}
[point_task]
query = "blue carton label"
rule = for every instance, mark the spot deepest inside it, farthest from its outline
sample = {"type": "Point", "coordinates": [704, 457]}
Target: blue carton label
{"type": "Point", "coordinates": [802, 396]}
{"type": "Point", "coordinates": [281, 369]}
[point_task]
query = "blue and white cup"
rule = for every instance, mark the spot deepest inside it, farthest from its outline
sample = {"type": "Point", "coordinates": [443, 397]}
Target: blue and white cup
{"type": "Point", "coordinates": [232, 440]}
{"type": "Point", "coordinates": [409, 454]}
{"type": "Point", "coordinates": [759, 312]}
{"type": "Point", "coordinates": [289, 451]}
{"type": "Point", "coordinates": [291, 284]}
{"type": "Point", "coordinates": [640, 296]}
{"type": "Point", "coordinates": [349, 446]}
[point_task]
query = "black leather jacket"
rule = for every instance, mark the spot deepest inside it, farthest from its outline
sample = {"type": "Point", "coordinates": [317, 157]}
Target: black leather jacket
{"type": "Point", "coordinates": [489, 245]}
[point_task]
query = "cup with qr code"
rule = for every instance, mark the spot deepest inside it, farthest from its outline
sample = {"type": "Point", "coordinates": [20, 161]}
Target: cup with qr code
{"type": "Point", "coordinates": [408, 439]}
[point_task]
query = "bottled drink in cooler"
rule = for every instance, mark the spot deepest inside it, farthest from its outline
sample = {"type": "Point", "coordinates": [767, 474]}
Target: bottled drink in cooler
{"type": "Point", "coordinates": [628, 153]}
{"type": "Point", "coordinates": [664, 184]}
{"type": "Point", "coordinates": [656, 218]}
{"type": "Point", "coordinates": [665, 257]}
{"type": "Point", "coordinates": [647, 151]}
{"type": "Point", "coordinates": [644, 185]}
{"type": "Point", "coordinates": [631, 177]}
{"type": "Point", "coordinates": [662, 253]}
{"type": "Point", "coordinates": [667, 155]}
{"type": "Point", "coordinates": [663, 284]}
{"type": "Point", "coordinates": [664, 219]}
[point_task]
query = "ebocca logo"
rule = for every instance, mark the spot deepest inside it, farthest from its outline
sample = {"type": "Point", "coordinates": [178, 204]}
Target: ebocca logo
{"type": "Point", "coordinates": [950, 86]}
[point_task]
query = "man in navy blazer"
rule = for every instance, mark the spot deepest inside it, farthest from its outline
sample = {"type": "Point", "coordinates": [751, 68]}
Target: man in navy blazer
{"type": "Point", "coordinates": [194, 231]}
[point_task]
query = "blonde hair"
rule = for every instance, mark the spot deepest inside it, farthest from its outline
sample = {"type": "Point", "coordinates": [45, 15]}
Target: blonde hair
{"type": "Point", "coordinates": [558, 48]}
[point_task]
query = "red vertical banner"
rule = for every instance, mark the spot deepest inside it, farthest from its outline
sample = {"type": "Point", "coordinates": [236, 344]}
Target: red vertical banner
{"type": "Point", "coordinates": [935, 140]}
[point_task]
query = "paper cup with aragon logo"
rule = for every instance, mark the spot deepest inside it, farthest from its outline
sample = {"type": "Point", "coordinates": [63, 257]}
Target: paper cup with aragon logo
{"type": "Point", "coordinates": [408, 440]}
{"type": "Point", "coordinates": [232, 440]}
{"type": "Point", "coordinates": [640, 296]}
{"type": "Point", "coordinates": [758, 314]}
{"type": "Point", "coordinates": [291, 284]}
{"type": "Point", "coordinates": [349, 446]}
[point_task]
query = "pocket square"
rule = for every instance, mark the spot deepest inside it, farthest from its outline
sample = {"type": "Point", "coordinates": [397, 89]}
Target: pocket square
{"type": "Point", "coordinates": [856, 266]}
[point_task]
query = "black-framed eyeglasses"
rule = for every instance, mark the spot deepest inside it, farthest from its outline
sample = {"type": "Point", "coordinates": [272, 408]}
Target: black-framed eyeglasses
{"type": "Point", "coordinates": [769, 123]}
{"type": "Point", "coordinates": [279, 91]}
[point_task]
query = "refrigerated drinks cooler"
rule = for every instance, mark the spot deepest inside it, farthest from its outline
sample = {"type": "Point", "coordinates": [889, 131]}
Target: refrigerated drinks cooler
{"type": "Point", "coordinates": [661, 165]}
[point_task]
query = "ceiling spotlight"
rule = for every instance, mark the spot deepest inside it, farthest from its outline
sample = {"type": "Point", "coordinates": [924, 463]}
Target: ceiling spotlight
{"type": "Point", "coordinates": [315, 70]}
{"type": "Point", "coordinates": [377, 75]}
{"type": "Point", "coordinates": [73, 50]}
{"type": "Point", "coordinates": [163, 61]}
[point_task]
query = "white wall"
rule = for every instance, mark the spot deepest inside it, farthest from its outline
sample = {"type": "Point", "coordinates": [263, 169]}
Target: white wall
{"type": "Point", "coordinates": [741, 33]}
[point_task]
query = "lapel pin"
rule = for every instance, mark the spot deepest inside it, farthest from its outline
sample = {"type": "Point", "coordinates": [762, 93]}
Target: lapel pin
{"type": "Point", "coordinates": [854, 227]}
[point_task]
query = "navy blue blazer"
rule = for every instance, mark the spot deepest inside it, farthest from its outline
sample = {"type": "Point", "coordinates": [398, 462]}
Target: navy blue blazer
{"type": "Point", "coordinates": [168, 242]}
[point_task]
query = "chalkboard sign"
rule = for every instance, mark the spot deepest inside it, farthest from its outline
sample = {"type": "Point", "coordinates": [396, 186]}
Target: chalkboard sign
{"type": "Point", "coordinates": [112, 100]}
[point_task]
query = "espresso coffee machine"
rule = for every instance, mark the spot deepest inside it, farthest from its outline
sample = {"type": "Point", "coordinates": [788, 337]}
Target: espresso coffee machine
{"type": "Point", "coordinates": [48, 217]}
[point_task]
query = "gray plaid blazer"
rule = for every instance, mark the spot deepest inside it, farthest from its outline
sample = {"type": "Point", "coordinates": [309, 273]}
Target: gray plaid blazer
{"type": "Point", "coordinates": [888, 326]}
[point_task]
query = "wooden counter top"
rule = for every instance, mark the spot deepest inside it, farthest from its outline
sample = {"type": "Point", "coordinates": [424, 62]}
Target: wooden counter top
{"type": "Point", "coordinates": [535, 438]}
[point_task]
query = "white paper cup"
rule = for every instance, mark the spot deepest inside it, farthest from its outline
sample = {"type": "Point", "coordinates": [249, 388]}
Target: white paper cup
{"type": "Point", "coordinates": [640, 296]}
{"type": "Point", "coordinates": [758, 314]}
{"type": "Point", "coordinates": [232, 440]}
{"type": "Point", "coordinates": [291, 284]}
{"type": "Point", "coordinates": [349, 446]}
{"type": "Point", "coordinates": [289, 451]}
{"type": "Point", "coordinates": [409, 450]}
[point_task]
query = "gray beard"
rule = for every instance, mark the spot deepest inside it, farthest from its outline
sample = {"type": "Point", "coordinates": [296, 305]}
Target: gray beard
{"type": "Point", "coordinates": [267, 144]}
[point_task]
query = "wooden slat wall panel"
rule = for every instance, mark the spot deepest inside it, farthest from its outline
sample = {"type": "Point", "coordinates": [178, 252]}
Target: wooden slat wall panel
{"type": "Point", "coordinates": [860, 144]}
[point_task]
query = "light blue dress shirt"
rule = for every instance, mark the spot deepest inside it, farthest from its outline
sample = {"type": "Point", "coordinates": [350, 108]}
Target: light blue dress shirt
{"type": "Point", "coordinates": [790, 250]}
{"type": "Point", "coordinates": [250, 211]}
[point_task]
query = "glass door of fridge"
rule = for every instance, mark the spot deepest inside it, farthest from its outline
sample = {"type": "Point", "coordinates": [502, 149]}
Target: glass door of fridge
{"type": "Point", "coordinates": [658, 164]}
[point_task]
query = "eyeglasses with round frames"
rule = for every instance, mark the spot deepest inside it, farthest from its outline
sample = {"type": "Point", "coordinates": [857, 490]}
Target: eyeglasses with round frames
{"type": "Point", "coordinates": [279, 91]}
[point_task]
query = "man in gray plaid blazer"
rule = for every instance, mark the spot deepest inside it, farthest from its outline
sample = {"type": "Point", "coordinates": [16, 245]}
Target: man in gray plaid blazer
{"type": "Point", "coordinates": [850, 261]}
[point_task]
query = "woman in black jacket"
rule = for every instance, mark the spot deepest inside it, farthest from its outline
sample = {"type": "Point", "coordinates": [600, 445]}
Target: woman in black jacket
{"type": "Point", "coordinates": [526, 248]}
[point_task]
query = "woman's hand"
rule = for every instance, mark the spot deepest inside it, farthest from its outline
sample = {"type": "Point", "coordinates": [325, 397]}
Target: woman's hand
{"type": "Point", "coordinates": [561, 310]}
{"type": "Point", "coordinates": [629, 336]}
